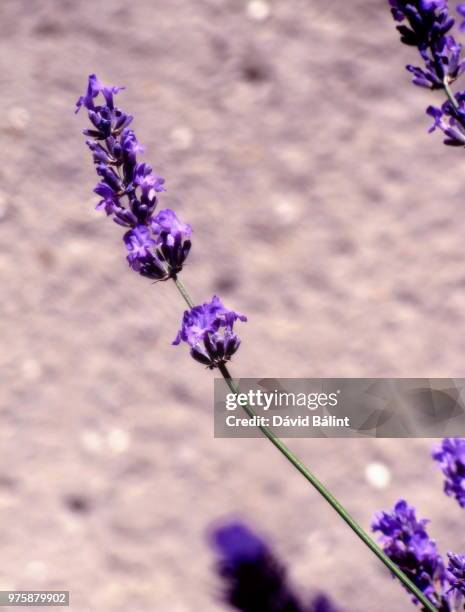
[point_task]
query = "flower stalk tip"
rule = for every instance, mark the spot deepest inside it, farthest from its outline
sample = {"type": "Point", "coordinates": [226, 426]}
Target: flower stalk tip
{"type": "Point", "coordinates": [157, 245]}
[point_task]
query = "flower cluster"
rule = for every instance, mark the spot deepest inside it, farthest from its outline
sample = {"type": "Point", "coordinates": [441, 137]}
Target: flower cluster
{"type": "Point", "coordinates": [426, 24]}
{"type": "Point", "coordinates": [254, 580]}
{"type": "Point", "coordinates": [450, 455]}
{"type": "Point", "coordinates": [406, 542]}
{"type": "Point", "coordinates": [157, 244]}
{"type": "Point", "coordinates": [208, 330]}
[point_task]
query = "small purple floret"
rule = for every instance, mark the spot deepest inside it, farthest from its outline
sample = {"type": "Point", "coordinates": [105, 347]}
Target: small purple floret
{"type": "Point", "coordinates": [456, 573]}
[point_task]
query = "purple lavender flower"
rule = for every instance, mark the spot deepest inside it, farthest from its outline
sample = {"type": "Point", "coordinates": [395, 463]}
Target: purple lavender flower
{"type": "Point", "coordinates": [254, 580]}
{"type": "Point", "coordinates": [173, 238]}
{"type": "Point", "coordinates": [142, 254]}
{"type": "Point", "coordinates": [406, 542]}
{"type": "Point", "coordinates": [322, 603]}
{"type": "Point", "coordinates": [450, 120]}
{"type": "Point", "coordinates": [95, 87]}
{"type": "Point", "coordinates": [456, 573]}
{"type": "Point", "coordinates": [208, 330]}
{"type": "Point", "coordinates": [428, 24]}
{"type": "Point", "coordinates": [157, 245]}
{"type": "Point", "coordinates": [427, 20]}
{"type": "Point", "coordinates": [450, 455]}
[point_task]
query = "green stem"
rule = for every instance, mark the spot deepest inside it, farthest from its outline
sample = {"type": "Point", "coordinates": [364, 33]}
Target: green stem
{"type": "Point", "coordinates": [329, 497]}
{"type": "Point", "coordinates": [183, 291]}
{"type": "Point", "coordinates": [450, 93]}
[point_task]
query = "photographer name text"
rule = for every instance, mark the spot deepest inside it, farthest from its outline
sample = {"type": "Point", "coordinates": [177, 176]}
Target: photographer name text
{"type": "Point", "coordinates": [285, 421]}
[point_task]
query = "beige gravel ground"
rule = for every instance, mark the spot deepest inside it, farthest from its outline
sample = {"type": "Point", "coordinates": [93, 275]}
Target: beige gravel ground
{"type": "Point", "coordinates": [296, 147]}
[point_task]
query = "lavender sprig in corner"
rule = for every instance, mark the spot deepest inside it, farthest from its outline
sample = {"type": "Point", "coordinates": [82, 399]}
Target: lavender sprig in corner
{"type": "Point", "coordinates": [406, 541]}
{"type": "Point", "coordinates": [426, 25]}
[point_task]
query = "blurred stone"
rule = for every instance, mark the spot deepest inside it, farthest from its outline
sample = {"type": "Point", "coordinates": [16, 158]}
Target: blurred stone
{"type": "Point", "coordinates": [18, 118]}
{"type": "Point", "coordinates": [286, 210]}
{"type": "Point", "coordinates": [36, 570]}
{"type": "Point", "coordinates": [118, 440]}
{"type": "Point", "coordinates": [31, 369]}
{"type": "Point", "coordinates": [258, 10]}
{"type": "Point", "coordinates": [182, 137]}
{"type": "Point", "coordinates": [91, 441]}
{"type": "Point", "coordinates": [378, 475]}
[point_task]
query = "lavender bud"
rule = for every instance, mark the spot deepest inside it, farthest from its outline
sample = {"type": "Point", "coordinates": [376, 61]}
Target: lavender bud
{"type": "Point", "coordinates": [174, 238]}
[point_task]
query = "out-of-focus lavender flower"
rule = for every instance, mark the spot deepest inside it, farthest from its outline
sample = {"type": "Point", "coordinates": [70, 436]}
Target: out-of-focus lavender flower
{"type": "Point", "coordinates": [157, 245]}
{"type": "Point", "coordinates": [450, 455]}
{"type": "Point", "coordinates": [322, 603]}
{"type": "Point", "coordinates": [208, 330]}
{"type": "Point", "coordinates": [461, 12]}
{"type": "Point", "coordinates": [254, 580]}
{"type": "Point", "coordinates": [406, 542]}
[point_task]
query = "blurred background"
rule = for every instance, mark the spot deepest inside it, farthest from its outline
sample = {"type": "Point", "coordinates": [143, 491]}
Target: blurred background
{"type": "Point", "coordinates": [292, 141]}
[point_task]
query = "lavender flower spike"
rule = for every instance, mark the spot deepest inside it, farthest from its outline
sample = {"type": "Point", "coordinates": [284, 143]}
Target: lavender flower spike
{"type": "Point", "coordinates": [450, 455]}
{"type": "Point", "coordinates": [406, 542]}
{"type": "Point", "coordinates": [426, 24]}
{"type": "Point", "coordinates": [157, 245]}
{"type": "Point", "coordinates": [208, 330]}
